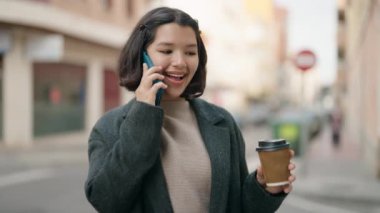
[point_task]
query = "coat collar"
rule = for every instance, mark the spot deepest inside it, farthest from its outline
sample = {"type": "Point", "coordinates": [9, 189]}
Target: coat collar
{"type": "Point", "coordinates": [206, 111]}
{"type": "Point", "coordinates": [201, 107]}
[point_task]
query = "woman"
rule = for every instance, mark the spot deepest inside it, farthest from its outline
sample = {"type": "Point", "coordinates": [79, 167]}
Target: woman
{"type": "Point", "coordinates": [186, 155]}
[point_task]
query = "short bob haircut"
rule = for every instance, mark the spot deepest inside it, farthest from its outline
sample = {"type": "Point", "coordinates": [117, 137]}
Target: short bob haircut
{"type": "Point", "coordinates": [130, 61]}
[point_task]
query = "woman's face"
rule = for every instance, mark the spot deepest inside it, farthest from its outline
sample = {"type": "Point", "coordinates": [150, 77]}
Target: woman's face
{"type": "Point", "coordinates": [174, 48]}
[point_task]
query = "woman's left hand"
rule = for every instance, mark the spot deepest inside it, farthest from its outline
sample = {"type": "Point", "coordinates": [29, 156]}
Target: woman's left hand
{"type": "Point", "coordinates": [277, 189]}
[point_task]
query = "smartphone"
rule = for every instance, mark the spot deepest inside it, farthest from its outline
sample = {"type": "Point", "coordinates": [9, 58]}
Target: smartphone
{"type": "Point", "coordinates": [149, 62]}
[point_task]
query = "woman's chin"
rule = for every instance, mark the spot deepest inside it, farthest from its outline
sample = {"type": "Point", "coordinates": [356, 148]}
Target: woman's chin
{"type": "Point", "coordinates": [171, 97]}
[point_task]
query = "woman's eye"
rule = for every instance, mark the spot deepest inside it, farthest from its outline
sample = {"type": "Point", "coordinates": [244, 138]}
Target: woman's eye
{"type": "Point", "coordinates": [165, 51]}
{"type": "Point", "coordinates": [191, 53]}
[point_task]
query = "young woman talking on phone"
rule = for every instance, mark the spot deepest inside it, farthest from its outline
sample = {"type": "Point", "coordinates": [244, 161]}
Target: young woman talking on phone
{"type": "Point", "coordinates": [185, 155]}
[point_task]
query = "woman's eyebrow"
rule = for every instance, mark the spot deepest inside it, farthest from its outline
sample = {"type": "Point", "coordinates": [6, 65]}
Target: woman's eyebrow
{"type": "Point", "coordinates": [165, 44]}
{"type": "Point", "coordinates": [171, 44]}
{"type": "Point", "coordinates": [192, 45]}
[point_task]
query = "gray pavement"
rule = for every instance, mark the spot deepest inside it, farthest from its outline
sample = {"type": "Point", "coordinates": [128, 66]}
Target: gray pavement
{"type": "Point", "coordinates": [337, 176]}
{"type": "Point", "coordinates": [47, 177]}
{"type": "Point", "coordinates": [46, 151]}
{"type": "Point", "coordinates": [329, 179]}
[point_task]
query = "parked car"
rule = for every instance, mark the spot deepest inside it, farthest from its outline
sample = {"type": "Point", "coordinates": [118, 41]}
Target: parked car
{"type": "Point", "coordinates": [257, 114]}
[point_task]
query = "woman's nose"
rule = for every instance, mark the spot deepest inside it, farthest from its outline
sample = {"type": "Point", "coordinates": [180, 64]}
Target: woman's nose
{"type": "Point", "coordinates": [179, 60]}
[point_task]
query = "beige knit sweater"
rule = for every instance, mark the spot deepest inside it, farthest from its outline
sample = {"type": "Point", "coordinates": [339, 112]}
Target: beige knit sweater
{"type": "Point", "coordinates": [185, 160]}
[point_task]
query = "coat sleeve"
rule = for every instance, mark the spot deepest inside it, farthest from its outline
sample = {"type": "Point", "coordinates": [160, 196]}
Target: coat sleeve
{"type": "Point", "coordinates": [119, 162]}
{"type": "Point", "coordinates": [254, 197]}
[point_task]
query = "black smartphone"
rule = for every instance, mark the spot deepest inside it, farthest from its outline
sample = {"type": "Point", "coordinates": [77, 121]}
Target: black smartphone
{"type": "Point", "coordinates": [149, 62]}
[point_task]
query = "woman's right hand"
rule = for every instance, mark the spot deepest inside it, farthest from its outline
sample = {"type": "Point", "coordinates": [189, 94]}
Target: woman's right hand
{"type": "Point", "coordinates": [146, 91]}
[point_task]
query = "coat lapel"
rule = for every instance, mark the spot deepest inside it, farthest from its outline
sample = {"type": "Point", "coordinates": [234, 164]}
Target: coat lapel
{"type": "Point", "coordinates": [156, 191]}
{"type": "Point", "coordinates": [217, 141]}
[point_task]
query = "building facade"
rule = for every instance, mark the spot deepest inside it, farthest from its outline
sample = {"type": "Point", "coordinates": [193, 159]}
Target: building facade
{"type": "Point", "coordinates": [362, 76]}
{"type": "Point", "coordinates": [57, 61]}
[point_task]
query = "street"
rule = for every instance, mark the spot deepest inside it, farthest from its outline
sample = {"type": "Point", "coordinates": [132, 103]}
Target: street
{"type": "Point", "coordinates": [44, 178]}
{"type": "Point", "coordinates": [45, 190]}
{"type": "Point", "coordinates": [49, 178]}
{"type": "Point", "coordinates": [304, 71]}
{"type": "Point", "coordinates": [329, 179]}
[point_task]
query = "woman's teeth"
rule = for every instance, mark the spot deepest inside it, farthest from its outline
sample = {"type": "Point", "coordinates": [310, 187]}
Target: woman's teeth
{"type": "Point", "coordinates": [176, 77]}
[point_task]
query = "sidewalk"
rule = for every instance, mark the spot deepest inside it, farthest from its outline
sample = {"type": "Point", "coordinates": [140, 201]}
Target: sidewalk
{"type": "Point", "coordinates": [336, 174]}
{"type": "Point", "coordinates": [46, 151]}
{"type": "Point", "coordinates": [325, 173]}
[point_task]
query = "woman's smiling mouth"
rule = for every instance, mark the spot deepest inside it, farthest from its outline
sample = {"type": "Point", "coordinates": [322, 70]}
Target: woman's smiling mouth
{"type": "Point", "coordinates": [175, 77]}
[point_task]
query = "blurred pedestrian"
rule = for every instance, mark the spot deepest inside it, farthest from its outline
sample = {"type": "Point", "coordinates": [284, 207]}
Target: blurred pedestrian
{"type": "Point", "coordinates": [186, 155]}
{"type": "Point", "coordinates": [336, 122]}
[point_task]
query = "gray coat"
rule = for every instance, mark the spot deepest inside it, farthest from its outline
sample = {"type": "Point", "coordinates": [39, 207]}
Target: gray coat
{"type": "Point", "coordinates": [126, 174]}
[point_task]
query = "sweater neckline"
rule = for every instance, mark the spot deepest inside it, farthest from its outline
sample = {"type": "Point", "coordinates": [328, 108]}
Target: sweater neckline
{"type": "Point", "coordinates": [175, 108]}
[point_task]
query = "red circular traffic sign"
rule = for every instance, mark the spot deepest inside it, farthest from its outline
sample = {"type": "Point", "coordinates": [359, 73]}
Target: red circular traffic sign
{"type": "Point", "coordinates": [304, 60]}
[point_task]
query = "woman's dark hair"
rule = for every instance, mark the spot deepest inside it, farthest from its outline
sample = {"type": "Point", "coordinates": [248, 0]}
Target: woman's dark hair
{"type": "Point", "coordinates": [130, 61]}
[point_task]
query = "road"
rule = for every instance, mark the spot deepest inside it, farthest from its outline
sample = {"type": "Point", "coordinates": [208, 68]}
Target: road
{"type": "Point", "coordinates": [328, 178]}
{"type": "Point", "coordinates": [56, 189]}
{"type": "Point", "coordinates": [46, 180]}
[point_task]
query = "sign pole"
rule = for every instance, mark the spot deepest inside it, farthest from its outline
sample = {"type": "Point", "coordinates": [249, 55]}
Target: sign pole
{"type": "Point", "coordinates": [304, 61]}
{"type": "Point", "coordinates": [303, 99]}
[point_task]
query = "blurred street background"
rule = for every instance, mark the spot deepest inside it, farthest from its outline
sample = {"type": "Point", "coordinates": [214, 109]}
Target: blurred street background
{"type": "Point", "coordinates": [303, 70]}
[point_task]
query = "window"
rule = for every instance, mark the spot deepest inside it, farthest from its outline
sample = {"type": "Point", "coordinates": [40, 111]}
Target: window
{"type": "Point", "coordinates": [130, 8]}
{"type": "Point", "coordinates": [59, 96]}
{"type": "Point", "coordinates": [42, 1]}
{"type": "Point", "coordinates": [106, 4]}
{"type": "Point", "coordinates": [1, 95]}
{"type": "Point", "coordinates": [111, 90]}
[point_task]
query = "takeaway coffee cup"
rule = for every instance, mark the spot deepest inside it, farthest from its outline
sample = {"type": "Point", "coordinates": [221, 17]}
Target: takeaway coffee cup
{"type": "Point", "coordinates": [274, 157]}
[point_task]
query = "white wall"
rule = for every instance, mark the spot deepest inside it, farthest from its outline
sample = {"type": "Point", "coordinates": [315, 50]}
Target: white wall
{"type": "Point", "coordinates": [17, 93]}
